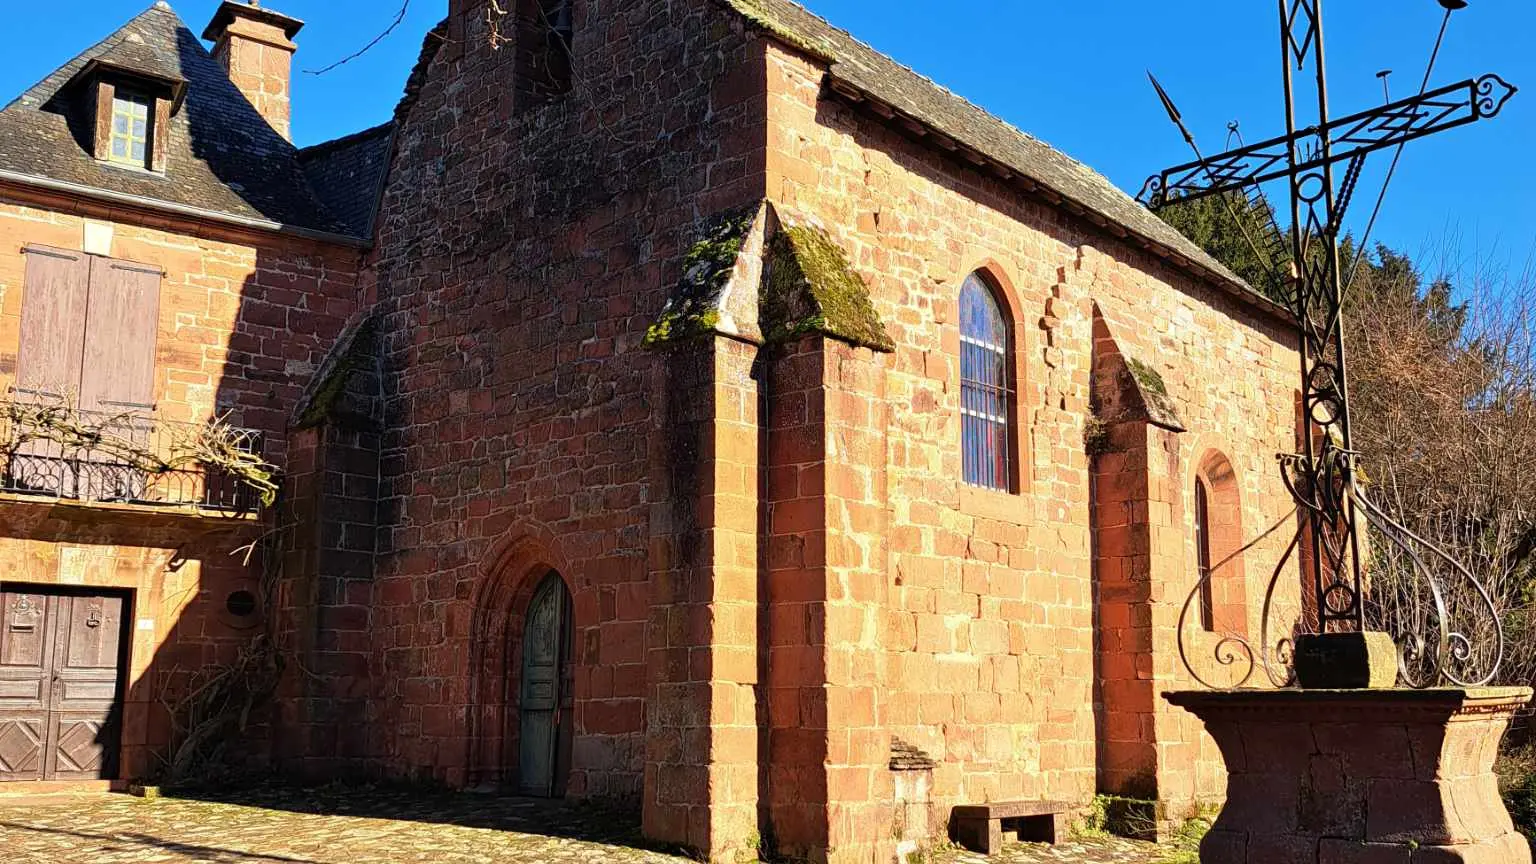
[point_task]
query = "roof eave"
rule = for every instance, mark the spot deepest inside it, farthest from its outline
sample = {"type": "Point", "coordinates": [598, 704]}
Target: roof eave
{"type": "Point", "coordinates": [177, 86]}
{"type": "Point", "coordinates": [925, 133]}
{"type": "Point", "coordinates": [139, 202]}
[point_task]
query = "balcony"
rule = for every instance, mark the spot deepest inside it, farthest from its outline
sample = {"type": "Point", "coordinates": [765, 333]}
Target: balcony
{"type": "Point", "coordinates": [52, 453]}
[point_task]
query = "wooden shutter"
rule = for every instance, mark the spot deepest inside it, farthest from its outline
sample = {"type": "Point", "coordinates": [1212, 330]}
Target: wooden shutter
{"type": "Point", "coordinates": [118, 373]}
{"type": "Point", "coordinates": [160, 148]}
{"type": "Point", "coordinates": [103, 137]}
{"type": "Point", "coordinates": [53, 309]}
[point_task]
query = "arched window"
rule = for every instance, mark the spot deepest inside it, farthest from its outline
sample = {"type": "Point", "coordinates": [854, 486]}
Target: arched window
{"type": "Point", "coordinates": [986, 387]}
{"type": "Point", "coordinates": [1218, 535]}
{"type": "Point", "coordinates": [547, 28]}
{"type": "Point", "coordinates": [1203, 555]}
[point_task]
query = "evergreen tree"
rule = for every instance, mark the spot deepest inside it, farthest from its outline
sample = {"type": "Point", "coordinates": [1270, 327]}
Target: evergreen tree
{"type": "Point", "coordinates": [1237, 233]}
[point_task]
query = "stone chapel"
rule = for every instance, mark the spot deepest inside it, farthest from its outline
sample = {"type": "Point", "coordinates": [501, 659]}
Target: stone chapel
{"type": "Point", "coordinates": [676, 403]}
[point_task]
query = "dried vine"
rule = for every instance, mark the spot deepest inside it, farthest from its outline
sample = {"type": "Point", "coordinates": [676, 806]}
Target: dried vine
{"type": "Point", "coordinates": [184, 446]}
{"type": "Point", "coordinates": [220, 700]}
{"type": "Point", "coordinates": [213, 705]}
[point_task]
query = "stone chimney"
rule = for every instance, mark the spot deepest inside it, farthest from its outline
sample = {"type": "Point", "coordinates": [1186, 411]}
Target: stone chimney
{"type": "Point", "coordinates": [255, 46]}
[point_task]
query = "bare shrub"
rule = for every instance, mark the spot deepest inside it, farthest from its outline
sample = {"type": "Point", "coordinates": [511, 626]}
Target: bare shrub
{"type": "Point", "coordinates": [1444, 402]}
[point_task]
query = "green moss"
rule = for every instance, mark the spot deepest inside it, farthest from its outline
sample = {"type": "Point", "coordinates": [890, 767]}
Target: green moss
{"type": "Point", "coordinates": [1149, 379]}
{"type": "Point", "coordinates": [1184, 846]}
{"type": "Point", "coordinates": [760, 17]}
{"type": "Point", "coordinates": [812, 288]}
{"type": "Point", "coordinates": [1154, 393]}
{"type": "Point", "coordinates": [694, 309]}
{"type": "Point", "coordinates": [1095, 435]}
{"type": "Point", "coordinates": [1517, 783]}
{"type": "Point", "coordinates": [358, 352]}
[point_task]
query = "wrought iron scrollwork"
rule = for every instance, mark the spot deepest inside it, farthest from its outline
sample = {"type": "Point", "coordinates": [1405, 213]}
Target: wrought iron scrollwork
{"type": "Point", "coordinates": [1274, 651]}
{"type": "Point", "coordinates": [1446, 623]}
{"type": "Point", "coordinates": [1492, 94]}
{"type": "Point", "coordinates": [84, 468]}
{"type": "Point", "coordinates": [1359, 134]}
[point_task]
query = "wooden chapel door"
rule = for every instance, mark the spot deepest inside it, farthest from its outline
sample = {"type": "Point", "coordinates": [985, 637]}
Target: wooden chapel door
{"type": "Point", "coordinates": [544, 715]}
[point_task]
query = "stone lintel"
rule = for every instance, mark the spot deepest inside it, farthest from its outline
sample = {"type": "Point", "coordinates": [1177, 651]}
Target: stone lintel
{"type": "Point", "coordinates": [1332, 776]}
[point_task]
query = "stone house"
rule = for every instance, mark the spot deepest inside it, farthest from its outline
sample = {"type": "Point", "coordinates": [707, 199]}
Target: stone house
{"type": "Point", "coordinates": [714, 416]}
{"type": "Point", "coordinates": [167, 257]}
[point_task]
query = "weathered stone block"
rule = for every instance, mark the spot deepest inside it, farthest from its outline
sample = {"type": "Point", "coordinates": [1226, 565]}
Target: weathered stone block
{"type": "Point", "coordinates": [1345, 661]}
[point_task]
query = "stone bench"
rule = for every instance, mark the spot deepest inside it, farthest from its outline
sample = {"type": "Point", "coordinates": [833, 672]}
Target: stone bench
{"type": "Point", "coordinates": [981, 827]}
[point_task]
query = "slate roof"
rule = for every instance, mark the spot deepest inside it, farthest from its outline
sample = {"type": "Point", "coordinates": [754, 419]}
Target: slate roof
{"type": "Point", "coordinates": [860, 67]}
{"type": "Point", "coordinates": [346, 174]}
{"type": "Point", "coordinates": [134, 55]}
{"type": "Point", "coordinates": [223, 156]}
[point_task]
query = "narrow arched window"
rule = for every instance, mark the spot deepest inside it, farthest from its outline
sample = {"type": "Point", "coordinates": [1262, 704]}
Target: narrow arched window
{"type": "Point", "coordinates": [1203, 556]}
{"type": "Point", "coordinates": [544, 48]}
{"type": "Point", "coordinates": [986, 387]}
{"type": "Point", "coordinates": [1218, 536]}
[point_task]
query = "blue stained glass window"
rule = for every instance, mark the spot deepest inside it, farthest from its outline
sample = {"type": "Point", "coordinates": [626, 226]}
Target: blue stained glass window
{"type": "Point", "coordinates": [986, 387]}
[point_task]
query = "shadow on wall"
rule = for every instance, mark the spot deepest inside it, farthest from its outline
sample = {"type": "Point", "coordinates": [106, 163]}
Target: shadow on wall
{"type": "Point", "coordinates": [162, 654]}
{"type": "Point", "coordinates": [209, 688]}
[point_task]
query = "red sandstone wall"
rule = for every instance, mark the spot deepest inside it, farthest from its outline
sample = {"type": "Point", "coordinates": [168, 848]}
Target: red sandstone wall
{"type": "Point", "coordinates": [244, 319]}
{"type": "Point", "coordinates": [523, 250]}
{"type": "Point", "coordinates": [986, 630]}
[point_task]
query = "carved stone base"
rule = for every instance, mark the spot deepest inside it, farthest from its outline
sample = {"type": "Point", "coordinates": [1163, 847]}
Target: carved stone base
{"type": "Point", "coordinates": [1360, 776]}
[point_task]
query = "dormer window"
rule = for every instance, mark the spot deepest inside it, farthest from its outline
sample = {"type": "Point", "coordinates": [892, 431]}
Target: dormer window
{"type": "Point", "coordinates": [131, 136]}
{"type": "Point", "coordinates": [122, 102]}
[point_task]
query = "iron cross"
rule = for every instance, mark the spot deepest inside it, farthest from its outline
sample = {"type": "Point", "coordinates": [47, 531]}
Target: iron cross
{"type": "Point", "coordinates": [1322, 477]}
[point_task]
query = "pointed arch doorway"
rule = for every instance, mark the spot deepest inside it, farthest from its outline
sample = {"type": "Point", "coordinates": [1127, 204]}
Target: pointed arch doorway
{"type": "Point", "coordinates": [544, 715]}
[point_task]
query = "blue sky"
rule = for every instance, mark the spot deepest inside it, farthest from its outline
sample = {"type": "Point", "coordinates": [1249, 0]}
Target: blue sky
{"type": "Point", "coordinates": [1072, 74]}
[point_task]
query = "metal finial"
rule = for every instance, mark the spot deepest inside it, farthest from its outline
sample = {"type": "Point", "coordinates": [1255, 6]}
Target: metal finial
{"type": "Point", "coordinates": [1173, 111]}
{"type": "Point", "coordinates": [1453, 5]}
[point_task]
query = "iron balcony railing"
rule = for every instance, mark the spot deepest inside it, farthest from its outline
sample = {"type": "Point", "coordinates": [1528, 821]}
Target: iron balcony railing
{"type": "Point", "coordinates": [131, 458]}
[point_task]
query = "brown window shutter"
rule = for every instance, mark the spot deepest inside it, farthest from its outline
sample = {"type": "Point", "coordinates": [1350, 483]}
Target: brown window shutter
{"type": "Point", "coordinates": [103, 138]}
{"type": "Point", "coordinates": [53, 308]}
{"type": "Point", "coordinates": [160, 146]}
{"type": "Point", "coordinates": [118, 375]}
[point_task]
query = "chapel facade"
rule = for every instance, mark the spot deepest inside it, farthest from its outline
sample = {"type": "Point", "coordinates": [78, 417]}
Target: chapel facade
{"type": "Point", "coordinates": [676, 403]}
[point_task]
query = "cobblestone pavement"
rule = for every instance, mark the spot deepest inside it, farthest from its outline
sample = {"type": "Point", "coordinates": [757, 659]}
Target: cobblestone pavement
{"type": "Point", "coordinates": [317, 828]}
{"type": "Point", "coordinates": [1108, 850]}
{"type": "Point", "coordinates": [336, 826]}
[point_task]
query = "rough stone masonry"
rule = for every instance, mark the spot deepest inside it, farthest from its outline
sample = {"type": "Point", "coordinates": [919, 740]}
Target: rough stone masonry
{"type": "Point", "coordinates": [687, 335]}
{"type": "Point", "coordinates": [625, 422]}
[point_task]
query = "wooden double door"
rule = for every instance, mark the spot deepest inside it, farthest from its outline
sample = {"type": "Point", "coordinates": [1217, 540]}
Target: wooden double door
{"type": "Point", "coordinates": [62, 660]}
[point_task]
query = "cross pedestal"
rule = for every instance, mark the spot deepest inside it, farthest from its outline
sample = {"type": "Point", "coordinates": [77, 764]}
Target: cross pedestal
{"type": "Point", "coordinates": [1360, 776]}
